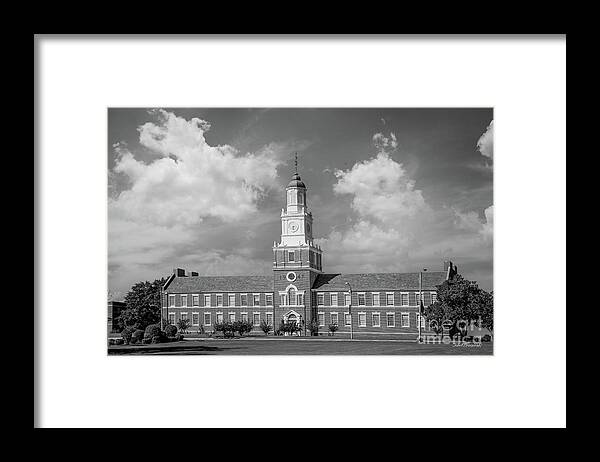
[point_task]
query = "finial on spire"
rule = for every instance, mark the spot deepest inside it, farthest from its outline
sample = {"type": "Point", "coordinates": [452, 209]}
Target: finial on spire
{"type": "Point", "coordinates": [296, 161]}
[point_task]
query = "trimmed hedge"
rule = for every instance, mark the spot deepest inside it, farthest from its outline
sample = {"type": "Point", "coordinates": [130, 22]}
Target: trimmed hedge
{"type": "Point", "coordinates": [170, 330]}
{"type": "Point", "coordinates": [152, 331]}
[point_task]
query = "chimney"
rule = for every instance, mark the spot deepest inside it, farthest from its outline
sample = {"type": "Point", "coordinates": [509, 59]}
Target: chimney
{"type": "Point", "coordinates": [447, 264]}
{"type": "Point", "coordinates": [179, 272]}
{"type": "Point", "coordinates": [194, 273]}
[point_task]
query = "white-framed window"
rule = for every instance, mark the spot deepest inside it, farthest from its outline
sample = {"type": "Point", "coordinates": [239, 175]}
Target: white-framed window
{"type": "Point", "coordinates": [282, 299]}
{"type": "Point", "coordinates": [256, 318]}
{"type": "Point", "coordinates": [433, 297]}
{"type": "Point", "coordinates": [231, 300]}
{"type": "Point", "coordinates": [320, 299]}
{"type": "Point", "coordinates": [404, 299]}
{"type": "Point", "coordinates": [362, 299]}
{"type": "Point", "coordinates": [391, 319]}
{"type": "Point", "coordinates": [290, 255]}
{"type": "Point", "coordinates": [244, 299]}
{"type": "Point", "coordinates": [270, 319]}
{"type": "Point", "coordinates": [334, 299]}
{"type": "Point", "coordinates": [376, 299]}
{"type": "Point", "coordinates": [171, 300]}
{"type": "Point", "coordinates": [347, 299]}
{"type": "Point", "coordinates": [321, 318]}
{"type": "Point", "coordinates": [184, 300]}
{"type": "Point", "coordinates": [219, 299]}
{"type": "Point", "coordinates": [219, 317]}
{"type": "Point", "coordinates": [195, 300]}
{"type": "Point", "coordinates": [300, 299]}
{"type": "Point", "coordinates": [244, 317]}
{"type": "Point", "coordinates": [256, 299]}
{"type": "Point", "coordinates": [376, 319]}
{"type": "Point", "coordinates": [389, 298]}
{"type": "Point", "coordinates": [404, 320]}
{"type": "Point", "coordinates": [207, 300]}
{"type": "Point", "coordinates": [334, 318]}
{"type": "Point", "coordinates": [269, 299]}
{"type": "Point", "coordinates": [347, 319]}
{"type": "Point", "coordinates": [232, 316]}
{"type": "Point", "coordinates": [362, 319]}
{"type": "Point", "coordinates": [195, 318]}
{"type": "Point", "coordinates": [171, 319]}
{"type": "Point", "coordinates": [421, 320]}
{"type": "Point", "coordinates": [183, 316]}
{"type": "Point", "coordinates": [207, 319]}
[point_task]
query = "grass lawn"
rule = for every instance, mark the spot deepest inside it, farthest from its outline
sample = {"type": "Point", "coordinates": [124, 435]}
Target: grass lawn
{"type": "Point", "coordinates": [285, 346]}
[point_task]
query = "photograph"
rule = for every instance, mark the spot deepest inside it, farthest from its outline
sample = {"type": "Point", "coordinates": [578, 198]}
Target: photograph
{"type": "Point", "coordinates": [300, 231]}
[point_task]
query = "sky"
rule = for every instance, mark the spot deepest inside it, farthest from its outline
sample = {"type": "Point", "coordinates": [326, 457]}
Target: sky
{"type": "Point", "coordinates": [390, 190]}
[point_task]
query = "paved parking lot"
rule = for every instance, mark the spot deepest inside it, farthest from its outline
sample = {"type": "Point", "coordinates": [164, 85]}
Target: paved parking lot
{"type": "Point", "coordinates": [255, 346]}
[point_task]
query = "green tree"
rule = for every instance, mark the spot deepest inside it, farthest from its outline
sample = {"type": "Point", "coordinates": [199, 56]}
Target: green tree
{"type": "Point", "coordinates": [460, 300]}
{"type": "Point", "coordinates": [265, 327]}
{"type": "Point", "coordinates": [142, 305]}
{"type": "Point", "coordinates": [183, 325]}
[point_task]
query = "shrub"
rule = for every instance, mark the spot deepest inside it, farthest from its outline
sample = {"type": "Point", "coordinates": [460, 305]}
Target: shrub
{"type": "Point", "coordinates": [333, 328]}
{"type": "Point", "coordinates": [137, 336]}
{"type": "Point", "coordinates": [313, 326]}
{"type": "Point", "coordinates": [179, 337]}
{"type": "Point", "coordinates": [157, 339]}
{"type": "Point", "coordinates": [126, 334]}
{"type": "Point", "coordinates": [486, 338]}
{"type": "Point", "coordinates": [242, 327]}
{"type": "Point", "coordinates": [152, 330]}
{"type": "Point", "coordinates": [183, 324]}
{"type": "Point", "coordinates": [468, 338]}
{"type": "Point", "coordinates": [226, 327]}
{"type": "Point", "coordinates": [265, 327]}
{"type": "Point", "coordinates": [170, 330]}
{"type": "Point", "coordinates": [146, 340]}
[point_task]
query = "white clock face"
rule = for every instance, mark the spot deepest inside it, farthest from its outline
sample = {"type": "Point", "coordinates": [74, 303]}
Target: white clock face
{"type": "Point", "coordinates": [291, 276]}
{"type": "Point", "coordinates": [294, 226]}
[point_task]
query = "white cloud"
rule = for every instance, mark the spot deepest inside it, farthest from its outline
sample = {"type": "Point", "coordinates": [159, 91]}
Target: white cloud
{"type": "Point", "coordinates": [485, 144]}
{"type": "Point", "coordinates": [192, 180]}
{"type": "Point", "coordinates": [470, 221]}
{"type": "Point", "coordinates": [383, 143]}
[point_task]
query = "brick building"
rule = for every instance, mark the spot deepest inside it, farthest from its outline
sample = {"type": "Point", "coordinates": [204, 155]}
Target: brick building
{"type": "Point", "coordinates": [299, 291]}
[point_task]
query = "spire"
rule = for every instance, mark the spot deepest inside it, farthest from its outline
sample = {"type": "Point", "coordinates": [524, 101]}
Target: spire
{"type": "Point", "coordinates": [296, 162]}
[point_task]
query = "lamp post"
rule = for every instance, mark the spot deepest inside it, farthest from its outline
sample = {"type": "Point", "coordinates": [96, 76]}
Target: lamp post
{"type": "Point", "coordinates": [350, 311]}
{"type": "Point", "coordinates": [420, 303]}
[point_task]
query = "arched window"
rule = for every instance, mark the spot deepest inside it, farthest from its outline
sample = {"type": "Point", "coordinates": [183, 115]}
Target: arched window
{"type": "Point", "coordinates": [292, 296]}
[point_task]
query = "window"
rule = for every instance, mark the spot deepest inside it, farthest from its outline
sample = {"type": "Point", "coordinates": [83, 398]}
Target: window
{"type": "Point", "coordinates": [389, 297]}
{"type": "Point", "coordinates": [361, 299]}
{"type": "Point", "coordinates": [171, 300]}
{"type": "Point", "coordinates": [391, 320]}
{"type": "Point", "coordinates": [404, 299]}
{"type": "Point", "coordinates": [300, 299]}
{"type": "Point", "coordinates": [269, 299]}
{"type": "Point", "coordinates": [270, 319]}
{"type": "Point", "coordinates": [321, 318]}
{"type": "Point", "coordinates": [219, 299]}
{"type": "Point", "coordinates": [231, 299]}
{"type": "Point", "coordinates": [362, 319]}
{"type": "Point", "coordinates": [417, 295]}
{"type": "Point", "coordinates": [207, 319]}
{"type": "Point", "coordinates": [433, 297]}
{"type": "Point", "coordinates": [347, 299]}
{"type": "Point", "coordinates": [256, 299]}
{"type": "Point", "coordinates": [283, 299]}
{"type": "Point", "coordinates": [184, 300]}
{"type": "Point", "coordinates": [291, 255]}
{"type": "Point", "coordinates": [196, 300]}
{"type": "Point", "coordinates": [334, 299]}
{"type": "Point", "coordinates": [184, 316]}
{"type": "Point", "coordinates": [231, 316]}
{"type": "Point", "coordinates": [421, 320]}
{"type": "Point", "coordinates": [376, 299]}
{"type": "Point", "coordinates": [292, 296]}
{"type": "Point", "coordinates": [219, 318]}
{"type": "Point", "coordinates": [376, 320]}
{"type": "Point", "coordinates": [256, 319]}
{"type": "Point", "coordinates": [171, 318]}
{"type": "Point", "coordinates": [405, 320]}
{"type": "Point", "coordinates": [207, 300]}
{"type": "Point", "coordinates": [320, 299]}
{"type": "Point", "coordinates": [244, 299]}
{"type": "Point", "coordinates": [347, 319]}
{"type": "Point", "coordinates": [195, 319]}
{"type": "Point", "coordinates": [245, 317]}
{"type": "Point", "coordinates": [334, 318]}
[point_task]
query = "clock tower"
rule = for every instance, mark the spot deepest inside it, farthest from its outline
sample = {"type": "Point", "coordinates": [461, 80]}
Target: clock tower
{"type": "Point", "coordinates": [296, 259]}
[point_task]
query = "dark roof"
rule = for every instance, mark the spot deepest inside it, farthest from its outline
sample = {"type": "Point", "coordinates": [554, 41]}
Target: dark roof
{"type": "Point", "coordinates": [296, 182]}
{"type": "Point", "coordinates": [379, 281]}
{"type": "Point", "coordinates": [221, 284]}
